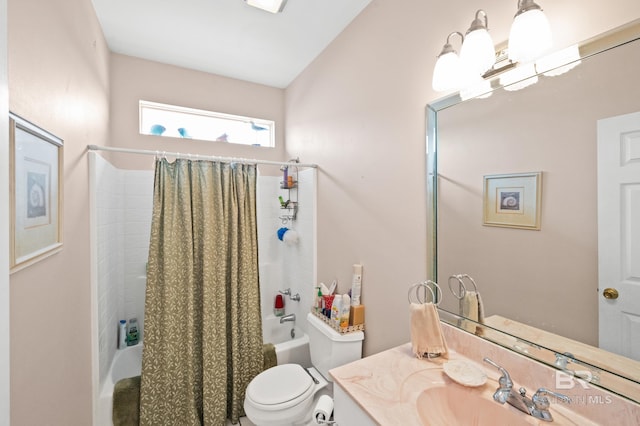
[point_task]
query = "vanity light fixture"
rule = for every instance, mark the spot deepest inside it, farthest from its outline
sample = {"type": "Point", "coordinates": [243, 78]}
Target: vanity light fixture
{"type": "Point", "coordinates": [530, 35]}
{"type": "Point", "coordinates": [477, 54]}
{"type": "Point", "coordinates": [529, 39]}
{"type": "Point", "coordinates": [447, 74]}
{"type": "Point", "coordinates": [273, 6]}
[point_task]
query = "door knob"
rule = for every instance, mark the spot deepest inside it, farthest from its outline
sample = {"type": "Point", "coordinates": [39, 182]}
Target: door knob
{"type": "Point", "coordinates": [610, 293]}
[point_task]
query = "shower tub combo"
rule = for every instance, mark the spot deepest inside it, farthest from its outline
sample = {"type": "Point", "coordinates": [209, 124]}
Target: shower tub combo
{"type": "Point", "coordinates": [128, 362]}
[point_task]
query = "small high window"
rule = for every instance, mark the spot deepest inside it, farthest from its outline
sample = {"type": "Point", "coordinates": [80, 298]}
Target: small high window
{"type": "Point", "coordinates": [181, 122]}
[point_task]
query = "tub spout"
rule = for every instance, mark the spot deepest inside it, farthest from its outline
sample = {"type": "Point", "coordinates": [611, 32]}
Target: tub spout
{"type": "Point", "coordinates": [288, 318]}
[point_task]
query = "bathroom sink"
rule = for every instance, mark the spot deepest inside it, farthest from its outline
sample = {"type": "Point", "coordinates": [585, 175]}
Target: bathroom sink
{"type": "Point", "coordinates": [454, 404]}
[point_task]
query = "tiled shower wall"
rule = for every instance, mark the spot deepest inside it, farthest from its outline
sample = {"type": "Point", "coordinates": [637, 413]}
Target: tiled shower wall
{"type": "Point", "coordinates": [124, 201]}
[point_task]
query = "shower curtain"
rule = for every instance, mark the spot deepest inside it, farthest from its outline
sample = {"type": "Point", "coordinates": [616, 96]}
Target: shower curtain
{"type": "Point", "coordinates": [203, 329]}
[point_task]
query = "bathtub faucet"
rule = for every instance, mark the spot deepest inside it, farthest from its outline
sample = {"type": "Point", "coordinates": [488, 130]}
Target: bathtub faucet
{"type": "Point", "coordinates": [288, 318]}
{"type": "Point", "coordinates": [287, 292]}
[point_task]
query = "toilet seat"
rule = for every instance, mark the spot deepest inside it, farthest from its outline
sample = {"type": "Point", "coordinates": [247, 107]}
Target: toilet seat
{"type": "Point", "coordinates": [280, 387]}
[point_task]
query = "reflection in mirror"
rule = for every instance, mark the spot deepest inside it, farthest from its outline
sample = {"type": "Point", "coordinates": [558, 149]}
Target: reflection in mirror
{"type": "Point", "coordinates": [539, 285]}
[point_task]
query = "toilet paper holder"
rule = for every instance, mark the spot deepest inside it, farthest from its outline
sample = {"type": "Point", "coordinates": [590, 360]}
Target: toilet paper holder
{"type": "Point", "coordinates": [323, 411]}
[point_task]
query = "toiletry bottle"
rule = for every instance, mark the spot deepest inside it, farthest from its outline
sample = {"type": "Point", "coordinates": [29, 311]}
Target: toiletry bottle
{"type": "Point", "coordinates": [278, 306]}
{"type": "Point", "coordinates": [285, 176]}
{"type": "Point", "coordinates": [318, 301]}
{"type": "Point", "coordinates": [132, 332]}
{"type": "Point", "coordinates": [344, 312]}
{"type": "Point", "coordinates": [336, 310]}
{"type": "Point", "coordinates": [122, 334]}
{"type": "Point", "coordinates": [356, 284]}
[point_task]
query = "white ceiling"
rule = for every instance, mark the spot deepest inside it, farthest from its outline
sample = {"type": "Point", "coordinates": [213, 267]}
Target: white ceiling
{"type": "Point", "coordinates": [226, 37]}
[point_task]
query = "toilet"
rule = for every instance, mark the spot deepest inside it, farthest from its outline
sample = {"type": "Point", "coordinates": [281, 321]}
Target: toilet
{"type": "Point", "coordinates": [286, 394]}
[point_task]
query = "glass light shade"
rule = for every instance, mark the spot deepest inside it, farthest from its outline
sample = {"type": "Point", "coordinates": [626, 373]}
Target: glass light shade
{"type": "Point", "coordinates": [477, 52]}
{"type": "Point", "coordinates": [478, 88]}
{"type": "Point", "coordinates": [559, 62]}
{"type": "Point", "coordinates": [530, 36]}
{"type": "Point", "coordinates": [273, 6]}
{"type": "Point", "coordinates": [518, 78]}
{"type": "Point", "coordinates": [446, 74]}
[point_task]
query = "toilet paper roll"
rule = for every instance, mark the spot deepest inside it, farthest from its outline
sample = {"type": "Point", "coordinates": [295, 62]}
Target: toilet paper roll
{"type": "Point", "coordinates": [323, 410]}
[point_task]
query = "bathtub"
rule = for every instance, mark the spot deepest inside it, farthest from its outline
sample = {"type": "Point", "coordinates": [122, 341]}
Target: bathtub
{"type": "Point", "coordinates": [289, 350]}
{"type": "Point", "coordinates": [126, 363]}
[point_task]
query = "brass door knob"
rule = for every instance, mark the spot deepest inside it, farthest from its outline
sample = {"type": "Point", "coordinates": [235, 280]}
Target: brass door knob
{"type": "Point", "coordinates": [610, 293]}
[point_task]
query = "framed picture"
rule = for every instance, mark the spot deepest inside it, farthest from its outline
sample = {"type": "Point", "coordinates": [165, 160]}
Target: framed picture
{"type": "Point", "coordinates": [36, 193]}
{"type": "Point", "coordinates": [513, 200]}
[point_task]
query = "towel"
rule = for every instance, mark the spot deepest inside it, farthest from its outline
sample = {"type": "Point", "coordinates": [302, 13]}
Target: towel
{"type": "Point", "coordinates": [270, 357]}
{"type": "Point", "coordinates": [426, 332]}
{"type": "Point", "coordinates": [473, 309]}
{"type": "Point", "coordinates": [472, 306]}
{"type": "Point", "coordinates": [126, 402]}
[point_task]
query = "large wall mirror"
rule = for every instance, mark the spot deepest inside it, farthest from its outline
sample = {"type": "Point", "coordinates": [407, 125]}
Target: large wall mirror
{"type": "Point", "coordinates": [545, 288]}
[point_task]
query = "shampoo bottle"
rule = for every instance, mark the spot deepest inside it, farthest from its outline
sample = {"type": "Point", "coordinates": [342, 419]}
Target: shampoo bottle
{"type": "Point", "coordinates": [132, 332]}
{"type": "Point", "coordinates": [122, 334]}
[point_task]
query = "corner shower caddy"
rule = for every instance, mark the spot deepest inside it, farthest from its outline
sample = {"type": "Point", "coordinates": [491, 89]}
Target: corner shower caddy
{"type": "Point", "coordinates": [290, 184]}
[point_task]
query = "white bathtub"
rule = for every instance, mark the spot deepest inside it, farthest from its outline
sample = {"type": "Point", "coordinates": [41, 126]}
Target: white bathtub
{"type": "Point", "coordinates": [288, 350]}
{"type": "Point", "coordinates": [126, 363]}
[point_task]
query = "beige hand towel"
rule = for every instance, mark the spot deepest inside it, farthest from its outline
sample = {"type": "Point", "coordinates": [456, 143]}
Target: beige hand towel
{"type": "Point", "coordinates": [426, 331]}
{"type": "Point", "coordinates": [473, 309]}
{"type": "Point", "coordinates": [472, 306]}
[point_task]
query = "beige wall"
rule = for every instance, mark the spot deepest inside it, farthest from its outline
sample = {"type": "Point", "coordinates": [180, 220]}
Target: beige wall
{"type": "Point", "coordinates": [58, 69]}
{"type": "Point", "coordinates": [135, 79]}
{"type": "Point", "coordinates": [358, 111]}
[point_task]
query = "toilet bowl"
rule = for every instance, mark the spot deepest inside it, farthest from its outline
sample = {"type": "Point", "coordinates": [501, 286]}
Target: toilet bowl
{"type": "Point", "coordinates": [282, 395]}
{"type": "Point", "coordinates": [286, 394]}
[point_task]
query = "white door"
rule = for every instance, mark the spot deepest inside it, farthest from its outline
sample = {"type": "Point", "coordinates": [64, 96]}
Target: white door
{"type": "Point", "coordinates": [619, 234]}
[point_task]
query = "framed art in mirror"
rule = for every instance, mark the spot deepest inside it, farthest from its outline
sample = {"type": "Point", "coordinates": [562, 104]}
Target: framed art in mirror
{"type": "Point", "coordinates": [36, 193]}
{"type": "Point", "coordinates": [513, 200]}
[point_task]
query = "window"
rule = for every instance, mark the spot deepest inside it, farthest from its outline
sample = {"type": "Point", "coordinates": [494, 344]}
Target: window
{"type": "Point", "coordinates": [181, 122]}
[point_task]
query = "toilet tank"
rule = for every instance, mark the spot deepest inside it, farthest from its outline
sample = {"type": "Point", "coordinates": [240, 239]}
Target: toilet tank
{"type": "Point", "coordinates": [330, 349]}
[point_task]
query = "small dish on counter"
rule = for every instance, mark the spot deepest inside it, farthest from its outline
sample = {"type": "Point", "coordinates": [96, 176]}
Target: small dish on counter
{"type": "Point", "coordinates": [465, 373]}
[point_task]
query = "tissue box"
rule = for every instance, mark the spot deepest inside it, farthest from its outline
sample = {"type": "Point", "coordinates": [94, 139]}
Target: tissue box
{"type": "Point", "coordinates": [356, 315]}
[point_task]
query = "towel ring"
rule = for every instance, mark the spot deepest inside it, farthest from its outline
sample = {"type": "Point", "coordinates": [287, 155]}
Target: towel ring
{"type": "Point", "coordinates": [414, 290]}
{"type": "Point", "coordinates": [463, 291]}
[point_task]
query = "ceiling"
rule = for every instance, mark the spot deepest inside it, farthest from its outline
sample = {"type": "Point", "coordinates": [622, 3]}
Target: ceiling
{"type": "Point", "coordinates": [226, 37]}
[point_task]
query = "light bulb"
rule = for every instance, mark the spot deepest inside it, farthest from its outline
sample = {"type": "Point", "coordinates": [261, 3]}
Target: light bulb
{"type": "Point", "coordinates": [477, 51]}
{"type": "Point", "coordinates": [530, 35]}
{"type": "Point", "coordinates": [446, 74]}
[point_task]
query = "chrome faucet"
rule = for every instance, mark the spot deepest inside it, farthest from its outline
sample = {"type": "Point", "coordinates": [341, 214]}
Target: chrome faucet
{"type": "Point", "coordinates": [288, 318]}
{"type": "Point", "coordinates": [586, 373]}
{"type": "Point", "coordinates": [539, 407]}
{"type": "Point", "coordinates": [506, 385]}
{"type": "Point", "coordinates": [536, 406]}
{"type": "Point", "coordinates": [287, 292]}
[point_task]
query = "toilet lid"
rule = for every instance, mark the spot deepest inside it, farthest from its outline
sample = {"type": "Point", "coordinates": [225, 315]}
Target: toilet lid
{"type": "Point", "coordinates": [279, 384]}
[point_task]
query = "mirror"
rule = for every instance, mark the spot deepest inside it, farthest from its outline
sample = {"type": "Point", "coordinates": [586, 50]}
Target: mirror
{"type": "Point", "coordinates": [540, 287]}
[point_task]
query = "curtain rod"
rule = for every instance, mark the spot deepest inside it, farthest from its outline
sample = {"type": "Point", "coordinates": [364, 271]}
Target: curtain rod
{"type": "Point", "coordinates": [199, 157]}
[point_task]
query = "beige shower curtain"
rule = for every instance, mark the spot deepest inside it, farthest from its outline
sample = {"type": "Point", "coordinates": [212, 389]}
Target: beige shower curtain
{"type": "Point", "coordinates": [202, 328]}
